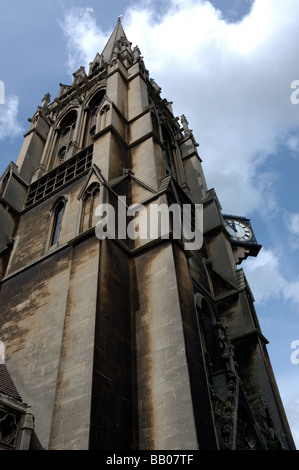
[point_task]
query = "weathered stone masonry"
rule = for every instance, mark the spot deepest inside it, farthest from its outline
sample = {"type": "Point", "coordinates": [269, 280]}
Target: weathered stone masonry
{"type": "Point", "coordinates": [125, 344]}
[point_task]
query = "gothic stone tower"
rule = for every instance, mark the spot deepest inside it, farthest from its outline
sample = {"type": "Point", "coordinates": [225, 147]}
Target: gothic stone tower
{"type": "Point", "coordinates": [127, 343]}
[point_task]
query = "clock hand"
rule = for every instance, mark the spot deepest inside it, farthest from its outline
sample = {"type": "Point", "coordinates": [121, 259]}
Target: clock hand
{"type": "Point", "coordinates": [233, 226]}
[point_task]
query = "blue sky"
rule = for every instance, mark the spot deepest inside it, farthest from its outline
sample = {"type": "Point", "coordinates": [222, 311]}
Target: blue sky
{"type": "Point", "coordinates": [228, 66]}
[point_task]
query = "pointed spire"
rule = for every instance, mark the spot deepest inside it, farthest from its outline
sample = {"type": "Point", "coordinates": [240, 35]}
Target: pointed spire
{"type": "Point", "coordinates": [117, 34]}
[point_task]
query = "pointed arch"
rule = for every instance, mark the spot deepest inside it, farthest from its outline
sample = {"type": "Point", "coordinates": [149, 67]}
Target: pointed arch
{"type": "Point", "coordinates": [95, 66]}
{"type": "Point", "coordinates": [92, 110]}
{"type": "Point", "coordinates": [57, 212]}
{"type": "Point", "coordinates": [65, 133]}
{"type": "Point", "coordinates": [90, 200]}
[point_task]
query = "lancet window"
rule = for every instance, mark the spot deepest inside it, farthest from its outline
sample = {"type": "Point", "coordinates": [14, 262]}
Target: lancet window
{"type": "Point", "coordinates": [90, 201]}
{"type": "Point", "coordinates": [58, 213]}
{"type": "Point", "coordinates": [65, 136]}
{"type": "Point", "coordinates": [92, 115]}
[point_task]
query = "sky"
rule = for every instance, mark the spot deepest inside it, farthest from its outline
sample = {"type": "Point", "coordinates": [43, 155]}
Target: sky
{"type": "Point", "coordinates": [231, 67]}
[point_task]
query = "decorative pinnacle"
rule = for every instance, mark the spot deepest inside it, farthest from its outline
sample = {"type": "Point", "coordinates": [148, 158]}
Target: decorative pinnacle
{"type": "Point", "coordinates": [119, 18]}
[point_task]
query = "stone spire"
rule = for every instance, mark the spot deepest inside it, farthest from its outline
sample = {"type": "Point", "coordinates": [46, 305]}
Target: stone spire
{"type": "Point", "coordinates": [117, 34]}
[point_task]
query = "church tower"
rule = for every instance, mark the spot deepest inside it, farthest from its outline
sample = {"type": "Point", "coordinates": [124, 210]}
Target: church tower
{"type": "Point", "coordinates": [128, 342]}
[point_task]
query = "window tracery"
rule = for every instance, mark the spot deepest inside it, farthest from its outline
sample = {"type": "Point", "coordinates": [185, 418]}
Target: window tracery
{"type": "Point", "coordinates": [65, 137]}
{"type": "Point", "coordinates": [92, 115]}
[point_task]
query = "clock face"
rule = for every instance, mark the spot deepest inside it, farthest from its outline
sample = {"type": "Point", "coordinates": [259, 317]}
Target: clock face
{"type": "Point", "coordinates": [238, 230]}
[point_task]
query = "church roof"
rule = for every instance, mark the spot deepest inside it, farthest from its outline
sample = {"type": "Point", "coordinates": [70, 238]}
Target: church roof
{"type": "Point", "coordinates": [117, 34]}
{"type": "Point", "coordinates": [7, 386]}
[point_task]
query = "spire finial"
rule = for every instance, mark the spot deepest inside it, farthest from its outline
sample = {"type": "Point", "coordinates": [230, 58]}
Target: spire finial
{"type": "Point", "coordinates": [119, 18]}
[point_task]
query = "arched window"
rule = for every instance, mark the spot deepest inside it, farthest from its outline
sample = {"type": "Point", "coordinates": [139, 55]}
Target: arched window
{"type": "Point", "coordinates": [58, 213]}
{"type": "Point", "coordinates": [65, 137]}
{"type": "Point", "coordinates": [90, 202]}
{"type": "Point", "coordinates": [92, 113]}
{"type": "Point", "coordinates": [168, 152]}
{"type": "Point", "coordinates": [95, 67]}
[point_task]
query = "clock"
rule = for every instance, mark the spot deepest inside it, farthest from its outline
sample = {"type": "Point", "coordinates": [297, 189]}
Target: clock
{"type": "Point", "coordinates": [238, 230]}
{"type": "Point", "coordinates": [241, 234]}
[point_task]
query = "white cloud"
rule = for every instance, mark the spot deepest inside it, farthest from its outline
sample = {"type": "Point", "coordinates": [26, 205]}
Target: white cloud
{"type": "Point", "coordinates": [268, 282]}
{"type": "Point", "coordinates": [232, 80]}
{"type": "Point", "coordinates": [84, 37]}
{"type": "Point", "coordinates": [9, 125]}
{"type": "Point", "coordinates": [293, 143]}
{"type": "Point", "coordinates": [293, 223]}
